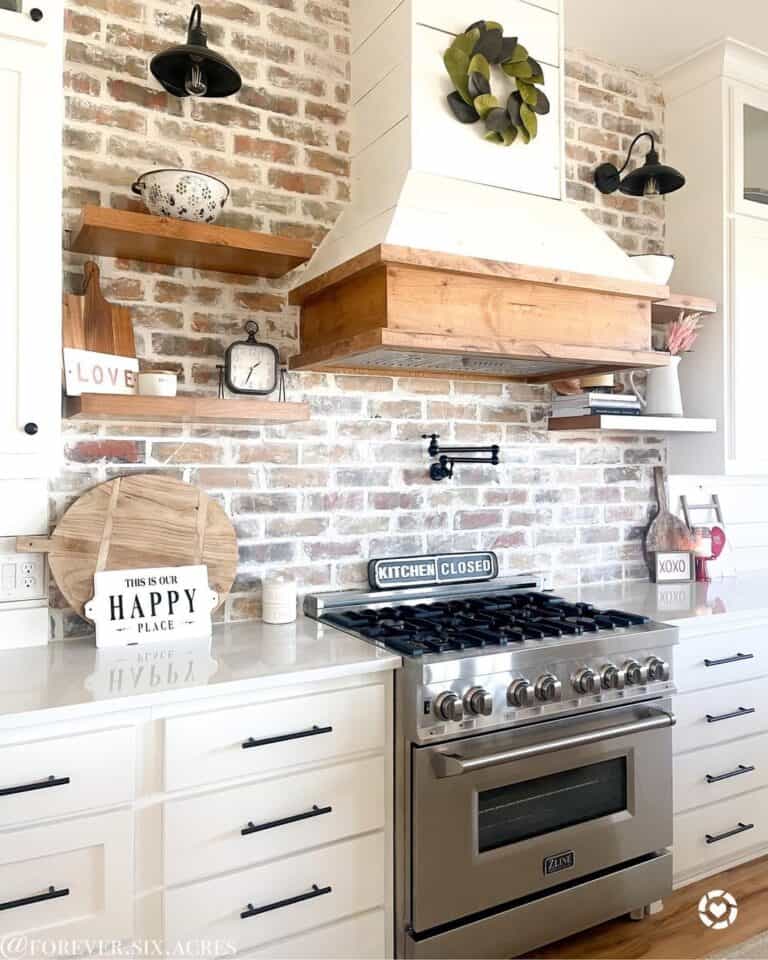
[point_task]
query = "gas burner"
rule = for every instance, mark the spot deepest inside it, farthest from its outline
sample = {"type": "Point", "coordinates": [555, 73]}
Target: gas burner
{"type": "Point", "coordinates": [492, 619]}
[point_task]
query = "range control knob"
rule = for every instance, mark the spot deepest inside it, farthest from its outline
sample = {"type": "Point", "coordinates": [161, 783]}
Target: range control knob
{"type": "Point", "coordinates": [634, 674]}
{"type": "Point", "coordinates": [586, 681]}
{"type": "Point", "coordinates": [611, 677]}
{"type": "Point", "coordinates": [478, 702]}
{"type": "Point", "coordinates": [521, 693]}
{"type": "Point", "coordinates": [448, 706]}
{"type": "Point", "coordinates": [657, 670]}
{"type": "Point", "coordinates": [548, 688]}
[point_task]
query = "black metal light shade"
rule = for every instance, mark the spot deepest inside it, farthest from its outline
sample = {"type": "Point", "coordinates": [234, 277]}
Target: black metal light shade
{"type": "Point", "coordinates": [652, 179]}
{"type": "Point", "coordinates": [192, 69]}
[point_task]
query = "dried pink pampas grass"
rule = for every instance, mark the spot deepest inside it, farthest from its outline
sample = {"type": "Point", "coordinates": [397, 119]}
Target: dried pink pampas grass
{"type": "Point", "coordinates": [682, 333]}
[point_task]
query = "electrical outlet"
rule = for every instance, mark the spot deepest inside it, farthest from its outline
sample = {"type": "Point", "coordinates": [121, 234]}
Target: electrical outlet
{"type": "Point", "coordinates": [22, 575]}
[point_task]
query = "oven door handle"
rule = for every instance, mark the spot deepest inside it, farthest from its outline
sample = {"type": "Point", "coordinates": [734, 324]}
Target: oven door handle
{"type": "Point", "coordinates": [453, 764]}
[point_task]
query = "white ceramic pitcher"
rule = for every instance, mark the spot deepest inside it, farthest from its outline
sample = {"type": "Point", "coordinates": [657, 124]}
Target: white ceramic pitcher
{"type": "Point", "coordinates": [663, 398]}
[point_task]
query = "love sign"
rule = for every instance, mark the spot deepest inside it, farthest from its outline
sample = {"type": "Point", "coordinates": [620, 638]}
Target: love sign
{"type": "Point", "coordinates": [86, 371]}
{"type": "Point", "coordinates": [141, 606]}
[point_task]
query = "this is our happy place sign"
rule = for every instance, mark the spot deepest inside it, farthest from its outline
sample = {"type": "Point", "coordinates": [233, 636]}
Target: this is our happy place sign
{"type": "Point", "coordinates": [141, 606]}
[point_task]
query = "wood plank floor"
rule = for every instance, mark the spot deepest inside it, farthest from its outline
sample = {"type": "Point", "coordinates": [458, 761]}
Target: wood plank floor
{"type": "Point", "coordinates": [677, 933]}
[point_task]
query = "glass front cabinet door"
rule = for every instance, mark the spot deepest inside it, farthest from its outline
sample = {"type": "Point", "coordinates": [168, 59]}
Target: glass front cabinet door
{"type": "Point", "coordinates": [750, 151]}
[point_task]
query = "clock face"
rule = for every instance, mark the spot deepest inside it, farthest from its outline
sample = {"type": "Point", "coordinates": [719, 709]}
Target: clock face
{"type": "Point", "coordinates": [251, 368]}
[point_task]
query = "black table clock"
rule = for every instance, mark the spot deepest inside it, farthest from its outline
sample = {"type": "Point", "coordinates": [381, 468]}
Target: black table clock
{"type": "Point", "coordinates": [251, 367]}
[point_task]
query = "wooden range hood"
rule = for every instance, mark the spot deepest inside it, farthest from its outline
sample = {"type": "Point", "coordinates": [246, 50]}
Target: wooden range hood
{"type": "Point", "coordinates": [400, 310]}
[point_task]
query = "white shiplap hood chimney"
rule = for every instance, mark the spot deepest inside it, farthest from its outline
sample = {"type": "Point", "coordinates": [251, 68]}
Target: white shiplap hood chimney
{"type": "Point", "coordinates": [422, 180]}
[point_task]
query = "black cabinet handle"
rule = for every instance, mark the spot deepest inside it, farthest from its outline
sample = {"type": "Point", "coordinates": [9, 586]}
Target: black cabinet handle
{"type": "Point", "coordinates": [734, 659]}
{"type": "Point", "coordinates": [36, 14]}
{"type": "Point", "coordinates": [742, 828]}
{"type": "Point", "coordinates": [53, 894]}
{"type": "Point", "coordinates": [30, 429]}
{"type": "Point", "coordinates": [316, 891]}
{"type": "Point", "coordinates": [283, 821]}
{"type": "Point", "coordinates": [741, 769]}
{"type": "Point", "coordinates": [37, 785]}
{"type": "Point", "coordinates": [312, 732]}
{"type": "Point", "coordinates": [741, 712]}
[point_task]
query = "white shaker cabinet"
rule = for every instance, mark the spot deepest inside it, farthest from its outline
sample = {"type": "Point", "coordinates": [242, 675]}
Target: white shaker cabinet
{"type": "Point", "coordinates": [717, 134]}
{"type": "Point", "coordinates": [31, 40]}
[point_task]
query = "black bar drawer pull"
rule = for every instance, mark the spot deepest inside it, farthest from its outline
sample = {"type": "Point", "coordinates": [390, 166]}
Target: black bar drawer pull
{"type": "Point", "coordinates": [37, 785]}
{"type": "Point", "coordinates": [741, 769]}
{"type": "Point", "coordinates": [734, 659]}
{"type": "Point", "coordinates": [312, 732]}
{"type": "Point", "coordinates": [316, 891]}
{"type": "Point", "coordinates": [283, 821]}
{"type": "Point", "coordinates": [741, 712]}
{"type": "Point", "coordinates": [52, 894]}
{"type": "Point", "coordinates": [742, 828]}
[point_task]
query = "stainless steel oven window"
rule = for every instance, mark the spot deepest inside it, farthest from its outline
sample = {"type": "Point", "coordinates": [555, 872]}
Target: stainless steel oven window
{"type": "Point", "coordinates": [532, 808]}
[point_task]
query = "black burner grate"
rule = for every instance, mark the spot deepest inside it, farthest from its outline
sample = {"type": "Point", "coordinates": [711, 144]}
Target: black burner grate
{"type": "Point", "coordinates": [488, 620]}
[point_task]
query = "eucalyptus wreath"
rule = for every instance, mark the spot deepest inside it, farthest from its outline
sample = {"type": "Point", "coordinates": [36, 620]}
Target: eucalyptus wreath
{"type": "Point", "coordinates": [468, 61]}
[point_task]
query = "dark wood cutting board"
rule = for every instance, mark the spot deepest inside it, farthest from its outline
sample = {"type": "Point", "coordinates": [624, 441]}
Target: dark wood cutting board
{"type": "Point", "coordinates": [90, 322]}
{"type": "Point", "coordinates": [666, 532]}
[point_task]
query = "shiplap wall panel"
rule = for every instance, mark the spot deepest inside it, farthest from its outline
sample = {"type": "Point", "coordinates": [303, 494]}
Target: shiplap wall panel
{"type": "Point", "coordinates": [387, 47]}
{"type": "Point", "coordinates": [380, 109]}
{"type": "Point", "coordinates": [367, 15]}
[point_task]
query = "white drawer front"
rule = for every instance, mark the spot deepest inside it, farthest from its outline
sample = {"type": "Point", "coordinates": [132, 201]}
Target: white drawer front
{"type": "Point", "coordinates": [727, 709]}
{"type": "Point", "coordinates": [716, 773]}
{"type": "Point", "coordinates": [208, 747]}
{"type": "Point", "coordinates": [203, 834]}
{"type": "Point", "coordinates": [360, 938]}
{"type": "Point", "coordinates": [83, 869]}
{"type": "Point", "coordinates": [336, 881]}
{"type": "Point", "coordinates": [726, 657]}
{"type": "Point", "coordinates": [52, 778]}
{"type": "Point", "coordinates": [717, 833]}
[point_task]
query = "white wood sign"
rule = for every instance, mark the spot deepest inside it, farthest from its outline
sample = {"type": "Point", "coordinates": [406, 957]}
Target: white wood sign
{"type": "Point", "coordinates": [155, 604]}
{"type": "Point", "coordinates": [86, 371]}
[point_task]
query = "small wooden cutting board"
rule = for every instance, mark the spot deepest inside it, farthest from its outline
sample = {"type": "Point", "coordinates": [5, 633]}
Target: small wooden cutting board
{"type": "Point", "coordinates": [90, 322]}
{"type": "Point", "coordinates": [140, 521]}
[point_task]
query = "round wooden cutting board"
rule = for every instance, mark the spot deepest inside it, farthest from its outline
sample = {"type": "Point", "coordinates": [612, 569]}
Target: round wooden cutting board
{"type": "Point", "coordinates": [138, 521]}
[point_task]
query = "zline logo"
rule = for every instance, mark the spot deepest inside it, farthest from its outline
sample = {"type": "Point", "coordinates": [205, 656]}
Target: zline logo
{"type": "Point", "coordinates": [718, 909]}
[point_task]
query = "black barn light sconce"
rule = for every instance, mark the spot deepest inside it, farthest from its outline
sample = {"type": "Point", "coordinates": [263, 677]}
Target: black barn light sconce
{"type": "Point", "coordinates": [652, 179]}
{"type": "Point", "coordinates": [192, 69]}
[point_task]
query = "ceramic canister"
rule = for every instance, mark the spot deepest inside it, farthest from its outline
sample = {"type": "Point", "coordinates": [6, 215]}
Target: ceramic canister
{"type": "Point", "coordinates": [158, 383]}
{"type": "Point", "coordinates": [278, 598]}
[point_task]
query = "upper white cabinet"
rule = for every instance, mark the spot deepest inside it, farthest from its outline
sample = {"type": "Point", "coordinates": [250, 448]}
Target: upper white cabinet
{"type": "Point", "coordinates": [30, 237]}
{"type": "Point", "coordinates": [749, 114]}
{"type": "Point", "coordinates": [717, 134]}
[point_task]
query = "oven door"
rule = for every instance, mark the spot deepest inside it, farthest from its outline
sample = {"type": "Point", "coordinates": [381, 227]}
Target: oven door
{"type": "Point", "coordinates": [504, 815]}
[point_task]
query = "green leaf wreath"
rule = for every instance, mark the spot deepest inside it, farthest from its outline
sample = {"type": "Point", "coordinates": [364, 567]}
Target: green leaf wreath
{"type": "Point", "coordinates": [469, 60]}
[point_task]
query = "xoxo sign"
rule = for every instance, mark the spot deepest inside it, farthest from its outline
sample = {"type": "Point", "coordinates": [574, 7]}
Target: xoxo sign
{"type": "Point", "coordinates": [672, 566]}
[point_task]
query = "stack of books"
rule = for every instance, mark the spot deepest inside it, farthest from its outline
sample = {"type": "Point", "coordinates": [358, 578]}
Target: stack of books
{"type": "Point", "coordinates": [596, 404]}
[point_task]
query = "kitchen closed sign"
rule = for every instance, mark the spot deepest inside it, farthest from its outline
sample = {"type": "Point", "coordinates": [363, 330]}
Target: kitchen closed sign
{"type": "Point", "coordinates": [432, 570]}
{"type": "Point", "coordinates": [158, 604]}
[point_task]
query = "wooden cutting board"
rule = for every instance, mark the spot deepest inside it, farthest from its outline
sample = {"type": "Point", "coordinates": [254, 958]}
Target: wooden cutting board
{"type": "Point", "coordinates": [666, 532]}
{"type": "Point", "coordinates": [90, 322]}
{"type": "Point", "coordinates": [138, 521]}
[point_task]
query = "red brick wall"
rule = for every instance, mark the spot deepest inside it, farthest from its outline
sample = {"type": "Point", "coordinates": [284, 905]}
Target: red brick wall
{"type": "Point", "coordinates": [318, 498]}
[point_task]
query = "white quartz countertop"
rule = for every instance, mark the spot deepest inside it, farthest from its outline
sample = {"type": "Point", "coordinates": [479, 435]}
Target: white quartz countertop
{"type": "Point", "coordinates": [241, 657]}
{"type": "Point", "coordinates": [686, 605]}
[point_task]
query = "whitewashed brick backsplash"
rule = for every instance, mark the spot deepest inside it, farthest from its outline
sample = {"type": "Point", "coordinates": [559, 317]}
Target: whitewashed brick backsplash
{"type": "Point", "coordinates": [321, 498]}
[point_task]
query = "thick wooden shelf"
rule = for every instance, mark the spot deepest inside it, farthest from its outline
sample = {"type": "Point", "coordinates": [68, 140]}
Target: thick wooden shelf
{"type": "Point", "coordinates": [141, 236]}
{"type": "Point", "coordinates": [665, 310]}
{"type": "Point", "coordinates": [92, 406]}
{"type": "Point", "coordinates": [619, 424]}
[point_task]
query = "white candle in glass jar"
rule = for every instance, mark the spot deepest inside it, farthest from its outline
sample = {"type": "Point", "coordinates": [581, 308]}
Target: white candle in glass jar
{"type": "Point", "coordinates": [278, 598]}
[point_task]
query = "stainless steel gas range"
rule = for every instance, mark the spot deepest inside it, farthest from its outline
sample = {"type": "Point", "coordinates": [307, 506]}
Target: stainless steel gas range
{"type": "Point", "coordinates": [533, 766]}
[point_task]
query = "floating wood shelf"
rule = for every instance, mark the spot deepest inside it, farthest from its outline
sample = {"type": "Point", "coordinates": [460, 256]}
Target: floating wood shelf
{"type": "Point", "coordinates": [665, 310]}
{"type": "Point", "coordinates": [92, 406]}
{"type": "Point", "coordinates": [141, 236]}
{"type": "Point", "coordinates": [619, 424]}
